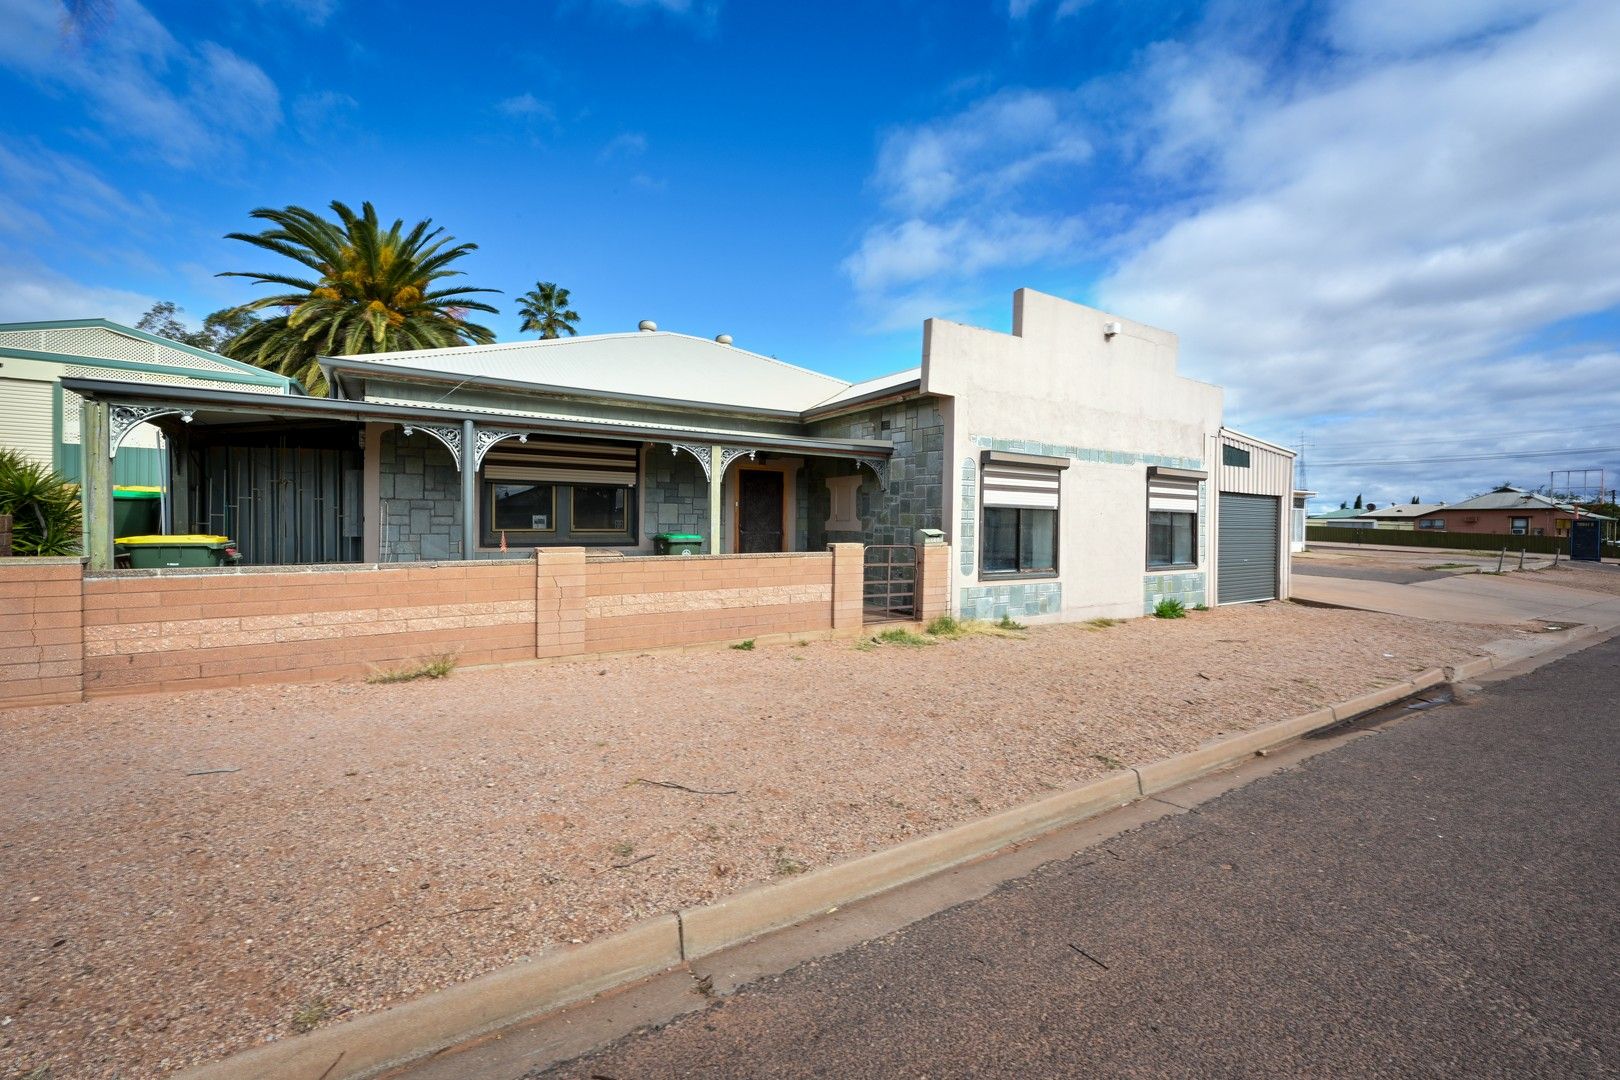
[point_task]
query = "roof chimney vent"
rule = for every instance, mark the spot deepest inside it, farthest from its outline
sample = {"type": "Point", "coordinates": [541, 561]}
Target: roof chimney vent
{"type": "Point", "coordinates": [647, 326]}
{"type": "Point", "coordinates": [1110, 329]}
{"type": "Point", "coordinates": [724, 339]}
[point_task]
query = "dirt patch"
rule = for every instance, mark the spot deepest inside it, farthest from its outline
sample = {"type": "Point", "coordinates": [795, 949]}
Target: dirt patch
{"type": "Point", "coordinates": [378, 842]}
{"type": "Point", "coordinates": [1593, 577]}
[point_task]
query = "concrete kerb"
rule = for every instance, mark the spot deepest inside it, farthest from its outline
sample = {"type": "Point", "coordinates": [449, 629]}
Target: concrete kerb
{"type": "Point", "coordinates": [404, 1033]}
{"type": "Point", "coordinates": [372, 1043]}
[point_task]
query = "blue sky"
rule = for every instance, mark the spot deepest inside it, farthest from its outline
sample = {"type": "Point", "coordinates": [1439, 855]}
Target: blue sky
{"type": "Point", "coordinates": [1390, 225]}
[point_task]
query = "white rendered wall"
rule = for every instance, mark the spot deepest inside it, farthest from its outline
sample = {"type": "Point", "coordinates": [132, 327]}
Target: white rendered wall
{"type": "Point", "coordinates": [1113, 404]}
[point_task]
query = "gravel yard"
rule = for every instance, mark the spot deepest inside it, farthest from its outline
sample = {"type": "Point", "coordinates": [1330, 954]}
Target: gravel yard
{"type": "Point", "coordinates": [183, 876]}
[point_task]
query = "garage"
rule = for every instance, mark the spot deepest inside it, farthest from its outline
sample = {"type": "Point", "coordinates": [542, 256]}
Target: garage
{"type": "Point", "coordinates": [1252, 508]}
{"type": "Point", "coordinates": [1246, 552]}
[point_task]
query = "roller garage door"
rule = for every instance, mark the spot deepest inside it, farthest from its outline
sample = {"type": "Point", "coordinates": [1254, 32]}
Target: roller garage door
{"type": "Point", "coordinates": [1246, 560]}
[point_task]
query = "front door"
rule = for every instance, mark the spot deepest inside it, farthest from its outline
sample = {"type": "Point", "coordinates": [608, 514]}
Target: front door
{"type": "Point", "coordinates": [759, 510]}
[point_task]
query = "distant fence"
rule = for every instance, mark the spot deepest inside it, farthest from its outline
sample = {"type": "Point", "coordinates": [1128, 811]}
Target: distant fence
{"type": "Point", "coordinates": [1439, 538]}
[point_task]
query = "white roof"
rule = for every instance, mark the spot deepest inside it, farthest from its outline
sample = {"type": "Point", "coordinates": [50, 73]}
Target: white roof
{"type": "Point", "coordinates": [650, 364]}
{"type": "Point", "coordinates": [873, 386]}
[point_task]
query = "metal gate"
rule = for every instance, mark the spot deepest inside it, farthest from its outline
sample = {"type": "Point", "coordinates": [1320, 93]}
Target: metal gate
{"type": "Point", "coordinates": [283, 505]}
{"type": "Point", "coordinates": [1246, 559]}
{"type": "Point", "coordinates": [889, 590]}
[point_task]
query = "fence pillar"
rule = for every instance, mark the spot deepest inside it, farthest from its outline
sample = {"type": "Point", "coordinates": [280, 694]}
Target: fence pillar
{"type": "Point", "coordinates": [559, 602]}
{"type": "Point", "coordinates": [848, 585]}
{"type": "Point", "coordinates": [933, 581]}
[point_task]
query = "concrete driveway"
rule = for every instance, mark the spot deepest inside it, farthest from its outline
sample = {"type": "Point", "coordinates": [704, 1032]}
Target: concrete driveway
{"type": "Point", "coordinates": [1509, 599]}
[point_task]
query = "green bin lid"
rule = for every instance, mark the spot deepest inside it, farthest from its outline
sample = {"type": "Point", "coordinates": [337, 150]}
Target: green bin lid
{"type": "Point", "coordinates": [189, 540]}
{"type": "Point", "coordinates": [680, 538]}
{"type": "Point", "coordinates": [134, 491]}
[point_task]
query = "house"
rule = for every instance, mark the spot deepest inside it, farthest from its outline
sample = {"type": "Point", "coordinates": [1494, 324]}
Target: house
{"type": "Point", "coordinates": [1509, 511]}
{"type": "Point", "coordinates": [1344, 518]}
{"type": "Point", "coordinates": [1073, 471]}
{"type": "Point", "coordinates": [1403, 515]}
{"type": "Point", "coordinates": [41, 419]}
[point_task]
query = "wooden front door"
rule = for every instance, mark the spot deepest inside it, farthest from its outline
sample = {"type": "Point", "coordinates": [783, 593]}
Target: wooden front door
{"type": "Point", "coordinates": [759, 510]}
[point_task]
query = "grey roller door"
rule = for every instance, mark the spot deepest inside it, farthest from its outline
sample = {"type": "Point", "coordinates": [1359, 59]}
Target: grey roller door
{"type": "Point", "coordinates": [1246, 562]}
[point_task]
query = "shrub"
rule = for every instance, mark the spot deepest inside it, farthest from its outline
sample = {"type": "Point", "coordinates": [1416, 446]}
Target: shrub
{"type": "Point", "coordinates": [46, 516]}
{"type": "Point", "coordinates": [1170, 609]}
{"type": "Point", "coordinates": [745, 646]}
{"type": "Point", "coordinates": [944, 626]}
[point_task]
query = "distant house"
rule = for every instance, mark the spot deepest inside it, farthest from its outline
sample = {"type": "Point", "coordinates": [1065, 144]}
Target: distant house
{"type": "Point", "coordinates": [1509, 512]}
{"type": "Point", "coordinates": [1343, 519]}
{"type": "Point", "coordinates": [1404, 515]}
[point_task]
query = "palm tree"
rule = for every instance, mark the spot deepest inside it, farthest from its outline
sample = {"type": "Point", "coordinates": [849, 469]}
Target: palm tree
{"type": "Point", "coordinates": [372, 291]}
{"type": "Point", "coordinates": [545, 311]}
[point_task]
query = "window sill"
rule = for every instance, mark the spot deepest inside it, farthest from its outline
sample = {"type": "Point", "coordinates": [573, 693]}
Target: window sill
{"type": "Point", "coordinates": [1014, 575]}
{"type": "Point", "coordinates": [1171, 568]}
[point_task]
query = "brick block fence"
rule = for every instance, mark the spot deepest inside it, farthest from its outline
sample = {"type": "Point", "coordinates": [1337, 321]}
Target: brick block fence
{"type": "Point", "coordinates": [66, 635]}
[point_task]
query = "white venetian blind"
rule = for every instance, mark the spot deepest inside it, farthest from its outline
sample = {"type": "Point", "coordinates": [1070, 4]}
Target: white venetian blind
{"type": "Point", "coordinates": [1027, 486]}
{"type": "Point", "coordinates": [1176, 496]}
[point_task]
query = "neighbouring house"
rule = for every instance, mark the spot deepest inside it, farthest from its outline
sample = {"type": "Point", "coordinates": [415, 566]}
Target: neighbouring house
{"type": "Point", "coordinates": [1403, 515]}
{"type": "Point", "coordinates": [1508, 512]}
{"type": "Point", "coordinates": [1344, 519]}
{"type": "Point", "coordinates": [41, 419]}
{"type": "Point", "coordinates": [1073, 471]}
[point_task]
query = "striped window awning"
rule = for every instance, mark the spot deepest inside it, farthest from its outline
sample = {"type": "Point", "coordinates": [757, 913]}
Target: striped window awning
{"type": "Point", "coordinates": [1176, 496]}
{"type": "Point", "coordinates": [563, 462]}
{"type": "Point", "coordinates": [1029, 484]}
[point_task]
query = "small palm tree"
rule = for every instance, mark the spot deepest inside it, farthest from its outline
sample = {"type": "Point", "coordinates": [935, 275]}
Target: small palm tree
{"type": "Point", "coordinates": [44, 507]}
{"type": "Point", "coordinates": [373, 291]}
{"type": "Point", "coordinates": [545, 311]}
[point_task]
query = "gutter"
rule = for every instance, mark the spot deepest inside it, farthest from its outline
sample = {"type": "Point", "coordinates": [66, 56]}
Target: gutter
{"type": "Point", "coordinates": [361, 411]}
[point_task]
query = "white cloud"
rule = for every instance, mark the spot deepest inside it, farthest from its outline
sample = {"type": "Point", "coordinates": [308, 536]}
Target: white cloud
{"type": "Point", "coordinates": [626, 145]}
{"type": "Point", "coordinates": [189, 106]}
{"type": "Point", "coordinates": [1363, 246]}
{"type": "Point", "coordinates": [32, 295]}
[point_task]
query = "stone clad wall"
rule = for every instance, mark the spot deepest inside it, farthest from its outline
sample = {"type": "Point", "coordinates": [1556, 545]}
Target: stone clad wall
{"type": "Point", "coordinates": [914, 498]}
{"type": "Point", "coordinates": [420, 490]}
{"type": "Point", "coordinates": [677, 494]}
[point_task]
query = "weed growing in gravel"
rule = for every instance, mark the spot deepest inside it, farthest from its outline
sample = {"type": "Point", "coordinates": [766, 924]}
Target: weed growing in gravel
{"type": "Point", "coordinates": [946, 628]}
{"type": "Point", "coordinates": [901, 636]}
{"type": "Point", "coordinates": [437, 668]}
{"type": "Point", "coordinates": [1109, 761]}
{"type": "Point", "coordinates": [1007, 623]}
{"type": "Point", "coordinates": [745, 646]}
{"type": "Point", "coordinates": [308, 1017]}
{"type": "Point", "coordinates": [623, 850]}
{"type": "Point", "coordinates": [786, 866]}
{"type": "Point", "coordinates": [1170, 609]}
{"type": "Point", "coordinates": [1101, 624]}
{"type": "Point", "coordinates": [1200, 607]}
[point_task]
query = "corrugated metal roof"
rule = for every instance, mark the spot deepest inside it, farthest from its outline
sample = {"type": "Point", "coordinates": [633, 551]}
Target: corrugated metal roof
{"type": "Point", "coordinates": [652, 364]}
{"type": "Point", "coordinates": [1404, 510]}
{"type": "Point", "coordinates": [869, 387]}
{"type": "Point", "coordinates": [1512, 499]}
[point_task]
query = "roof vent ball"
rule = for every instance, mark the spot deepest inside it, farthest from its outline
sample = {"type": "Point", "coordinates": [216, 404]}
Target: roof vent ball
{"type": "Point", "coordinates": [724, 339]}
{"type": "Point", "coordinates": [647, 325]}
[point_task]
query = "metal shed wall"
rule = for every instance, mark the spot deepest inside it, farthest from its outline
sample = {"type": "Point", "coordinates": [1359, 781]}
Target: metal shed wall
{"type": "Point", "coordinates": [1270, 472]}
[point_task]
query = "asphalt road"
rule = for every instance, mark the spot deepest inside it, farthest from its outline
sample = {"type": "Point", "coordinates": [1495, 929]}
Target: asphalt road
{"type": "Point", "coordinates": [1437, 899]}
